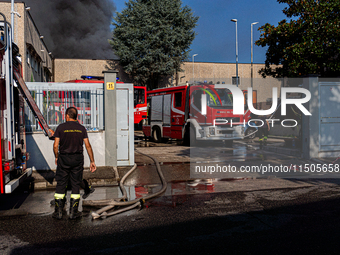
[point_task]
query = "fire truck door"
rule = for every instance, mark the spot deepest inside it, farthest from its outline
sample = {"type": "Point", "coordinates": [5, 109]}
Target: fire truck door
{"type": "Point", "coordinates": [178, 114]}
{"type": "Point", "coordinates": [167, 110]}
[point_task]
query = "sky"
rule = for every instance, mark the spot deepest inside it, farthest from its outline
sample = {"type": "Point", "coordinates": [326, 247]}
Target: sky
{"type": "Point", "coordinates": [216, 34]}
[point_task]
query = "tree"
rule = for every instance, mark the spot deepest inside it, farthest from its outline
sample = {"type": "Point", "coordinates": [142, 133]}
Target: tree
{"type": "Point", "coordinates": [152, 38]}
{"type": "Point", "coordinates": [309, 43]}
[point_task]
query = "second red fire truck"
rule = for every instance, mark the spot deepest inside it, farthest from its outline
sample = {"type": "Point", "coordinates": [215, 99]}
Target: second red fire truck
{"type": "Point", "coordinates": [178, 113]}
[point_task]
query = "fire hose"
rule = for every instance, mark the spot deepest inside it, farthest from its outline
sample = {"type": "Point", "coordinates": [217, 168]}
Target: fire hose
{"type": "Point", "coordinates": [111, 203]}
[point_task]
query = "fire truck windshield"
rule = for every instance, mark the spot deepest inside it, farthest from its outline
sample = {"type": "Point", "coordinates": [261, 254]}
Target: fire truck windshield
{"type": "Point", "coordinates": [220, 98]}
{"type": "Point", "coordinates": [139, 97]}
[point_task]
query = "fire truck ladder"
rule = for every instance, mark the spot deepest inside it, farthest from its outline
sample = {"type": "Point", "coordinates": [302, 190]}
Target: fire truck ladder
{"type": "Point", "coordinates": [32, 105]}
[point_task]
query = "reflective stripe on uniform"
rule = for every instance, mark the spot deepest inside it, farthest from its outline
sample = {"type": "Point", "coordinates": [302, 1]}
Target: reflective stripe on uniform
{"type": "Point", "coordinates": [75, 196]}
{"type": "Point", "coordinates": [59, 196]}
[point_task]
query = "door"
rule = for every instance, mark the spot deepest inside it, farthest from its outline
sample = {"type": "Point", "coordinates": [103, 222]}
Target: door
{"type": "Point", "coordinates": [122, 124]}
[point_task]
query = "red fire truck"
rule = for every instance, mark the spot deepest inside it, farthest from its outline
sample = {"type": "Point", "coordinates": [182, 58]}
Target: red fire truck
{"type": "Point", "coordinates": [139, 96]}
{"type": "Point", "coordinates": [13, 94]}
{"type": "Point", "coordinates": [177, 113]}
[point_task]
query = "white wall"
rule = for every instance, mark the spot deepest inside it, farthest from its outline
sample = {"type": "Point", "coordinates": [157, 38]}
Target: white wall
{"type": "Point", "coordinates": [40, 149]}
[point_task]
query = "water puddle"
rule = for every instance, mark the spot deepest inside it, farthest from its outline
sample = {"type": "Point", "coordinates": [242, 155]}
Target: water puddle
{"type": "Point", "coordinates": [177, 192]}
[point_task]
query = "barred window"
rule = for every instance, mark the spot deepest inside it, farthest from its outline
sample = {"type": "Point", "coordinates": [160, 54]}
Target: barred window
{"type": "Point", "coordinates": [54, 100]}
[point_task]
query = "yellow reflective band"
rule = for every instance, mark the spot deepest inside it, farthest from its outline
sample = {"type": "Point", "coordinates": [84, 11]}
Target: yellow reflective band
{"type": "Point", "coordinates": [72, 131]}
{"type": "Point", "coordinates": [261, 139]}
{"type": "Point", "coordinates": [75, 196]}
{"type": "Point", "coordinates": [59, 196]}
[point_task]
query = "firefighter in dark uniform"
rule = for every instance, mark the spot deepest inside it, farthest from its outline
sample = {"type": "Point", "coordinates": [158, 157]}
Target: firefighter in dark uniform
{"type": "Point", "coordinates": [69, 158]}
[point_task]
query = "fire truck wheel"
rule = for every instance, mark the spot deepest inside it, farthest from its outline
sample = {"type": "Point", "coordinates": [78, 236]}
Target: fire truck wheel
{"type": "Point", "coordinates": [156, 135]}
{"type": "Point", "coordinates": [192, 136]}
{"type": "Point", "coordinates": [139, 126]}
{"type": "Point", "coordinates": [250, 133]}
{"type": "Point", "coordinates": [180, 142]}
{"type": "Point", "coordinates": [186, 140]}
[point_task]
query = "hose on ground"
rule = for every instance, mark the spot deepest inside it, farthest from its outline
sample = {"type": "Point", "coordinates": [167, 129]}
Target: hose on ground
{"type": "Point", "coordinates": [111, 203]}
{"type": "Point", "coordinates": [250, 133]}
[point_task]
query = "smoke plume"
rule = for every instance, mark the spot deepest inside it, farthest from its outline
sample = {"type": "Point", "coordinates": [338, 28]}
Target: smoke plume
{"type": "Point", "coordinates": [75, 28]}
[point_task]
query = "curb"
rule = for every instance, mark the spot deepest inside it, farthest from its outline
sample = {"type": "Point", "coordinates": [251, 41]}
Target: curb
{"type": "Point", "coordinates": [104, 176]}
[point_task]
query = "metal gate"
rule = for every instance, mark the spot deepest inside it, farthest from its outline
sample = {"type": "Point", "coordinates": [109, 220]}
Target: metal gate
{"type": "Point", "coordinates": [54, 98]}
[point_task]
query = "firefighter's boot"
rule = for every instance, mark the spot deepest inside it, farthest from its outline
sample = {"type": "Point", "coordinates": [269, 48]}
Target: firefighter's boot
{"type": "Point", "coordinates": [59, 207]}
{"type": "Point", "coordinates": [265, 141]}
{"type": "Point", "coordinates": [87, 189]}
{"type": "Point", "coordinates": [52, 202]}
{"type": "Point", "coordinates": [74, 213]}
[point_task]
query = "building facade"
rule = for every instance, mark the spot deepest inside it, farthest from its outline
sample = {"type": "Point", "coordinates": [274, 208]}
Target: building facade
{"type": "Point", "coordinates": [72, 69]}
{"type": "Point", "coordinates": [214, 73]}
{"type": "Point", "coordinates": [37, 62]}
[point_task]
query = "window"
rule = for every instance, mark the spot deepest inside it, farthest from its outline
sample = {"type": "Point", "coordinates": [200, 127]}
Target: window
{"type": "Point", "coordinates": [53, 101]}
{"type": "Point", "coordinates": [234, 80]}
{"type": "Point", "coordinates": [34, 64]}
{"type": "Point", "coordinates": [28, 57]}
{"type": "Point", "coordinates": [196, 97]}
{"type": "Point", "coordinates": [139, 97]}
{"type": "Point", "coordinates": [178, 99]}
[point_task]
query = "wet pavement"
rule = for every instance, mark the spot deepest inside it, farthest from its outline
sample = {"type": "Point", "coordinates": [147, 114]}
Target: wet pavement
{"type": "Point", "coordinates": [24, 202]}
{"type": "Point", "coordinates": [237, 215]}
{"type": "Point", "coordinates": [203, 217]}
{"type": "Point", "coordinates": [176, 160]}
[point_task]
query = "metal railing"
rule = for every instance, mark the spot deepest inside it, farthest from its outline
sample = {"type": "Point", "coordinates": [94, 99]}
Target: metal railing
{"type": "Point", "coordinates": [54, 98]}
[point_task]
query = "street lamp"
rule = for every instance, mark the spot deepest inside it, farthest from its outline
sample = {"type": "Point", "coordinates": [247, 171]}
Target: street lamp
{"type": "Point", "coordinates": [193, 67]}
{"type": "Point", "coordinates": [12, 19]}
{"type": "Point", "coordinates": [235, 20]}
{"type": "Point", "coordinates": [251, 51]}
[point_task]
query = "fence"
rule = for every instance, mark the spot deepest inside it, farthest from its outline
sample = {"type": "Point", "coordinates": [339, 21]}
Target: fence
{"type": "Point", "coordinates": [54, 98]}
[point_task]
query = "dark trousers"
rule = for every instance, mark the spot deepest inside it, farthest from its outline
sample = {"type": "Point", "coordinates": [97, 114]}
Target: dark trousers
{"type": "Point", "coordinates": [84, 185]}
{"type": "Point", "coordinates": [69, 169]}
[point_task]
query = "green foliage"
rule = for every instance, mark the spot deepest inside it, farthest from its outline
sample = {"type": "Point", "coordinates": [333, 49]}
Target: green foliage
{"type": "Point", "coordinates": [152, 38]}
{"type": "Point", "coordinates": [309, 43]}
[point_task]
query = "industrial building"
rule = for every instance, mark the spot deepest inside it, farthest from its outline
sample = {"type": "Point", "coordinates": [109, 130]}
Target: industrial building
{"type": "Point", "coordinates": [37, 61]}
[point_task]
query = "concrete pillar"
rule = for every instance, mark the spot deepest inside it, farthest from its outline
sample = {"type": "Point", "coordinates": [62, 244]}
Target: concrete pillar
{"type": "Point", "coordinates": [110, 118]}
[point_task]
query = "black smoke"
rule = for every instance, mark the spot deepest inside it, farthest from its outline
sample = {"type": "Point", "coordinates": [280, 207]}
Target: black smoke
{"type": "Point", "coordinates": [75, 28]}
